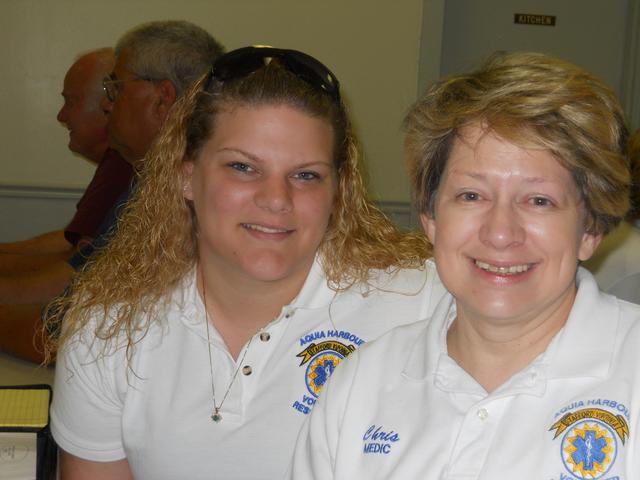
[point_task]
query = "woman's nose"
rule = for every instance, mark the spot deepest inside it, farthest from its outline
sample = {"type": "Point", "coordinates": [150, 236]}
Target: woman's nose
{"type": "Point", "coordinates": [275, 195]}
{"type": "Point", "coordinates": [502, 226]}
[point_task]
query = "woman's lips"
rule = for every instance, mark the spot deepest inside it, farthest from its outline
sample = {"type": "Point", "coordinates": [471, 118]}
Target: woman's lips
{"type": "Point", "coordinates": [266, 229]}
{"type": "Point", "coordinates": [506, 270]}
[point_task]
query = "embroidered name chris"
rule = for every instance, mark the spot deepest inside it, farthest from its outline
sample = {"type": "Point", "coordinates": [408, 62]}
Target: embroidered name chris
{"type": "Point", "coordinates": [377, 440]}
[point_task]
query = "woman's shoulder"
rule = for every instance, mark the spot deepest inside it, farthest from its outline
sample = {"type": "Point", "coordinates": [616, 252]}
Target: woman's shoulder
{"type": "Point", "coordinates": [386, 357]}
{"type": "Point", "coordinates": [390, 298]}
{"type": "Point", "coordinates": [407, 286]}
{"type": "Point", "coordinates": [397, 342]}
{"type": "Point", "coordinates": [405, 281]}
{"type": "Point", "coordinates": [379, 284]}
{"type": "Point", "coordinates": [629, 313]}
{"type": "Point", "coordinates": [399, 276]}
{"type": "Point", "coordinates": [111, 330]}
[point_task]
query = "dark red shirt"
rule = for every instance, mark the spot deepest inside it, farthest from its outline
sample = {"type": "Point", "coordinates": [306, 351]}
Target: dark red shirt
{"type": "Point", "coordinates": [112, 177]}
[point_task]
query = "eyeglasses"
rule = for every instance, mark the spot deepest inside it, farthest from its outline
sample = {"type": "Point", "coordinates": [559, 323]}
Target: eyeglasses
{"type": "Point", "coordinates": [111, 85]}
{"type": "Point", "coordinates": [243, 61]}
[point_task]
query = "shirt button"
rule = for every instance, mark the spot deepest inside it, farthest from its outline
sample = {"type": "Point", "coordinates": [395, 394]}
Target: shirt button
{"type": "Point", "coordinates": [246, 370]}
{"type": "Point", "coordinates": [265, 337]}
{"type": "Point", "coordinates": [482, 414]}
{"type": "Point", "coordinates": [290, 313]}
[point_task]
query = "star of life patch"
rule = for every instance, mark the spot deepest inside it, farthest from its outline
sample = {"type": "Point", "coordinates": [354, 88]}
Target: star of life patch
{"type": "Point", "coordinates": [591, 439]}
{"type": "Point", "coordinates": [320, 359]}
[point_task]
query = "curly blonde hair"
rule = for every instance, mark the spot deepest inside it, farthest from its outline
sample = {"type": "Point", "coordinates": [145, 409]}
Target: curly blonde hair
{"type": "Point", "coordinates": [155, 243]}
{"type": "Point", "coordinates": [535, 100]}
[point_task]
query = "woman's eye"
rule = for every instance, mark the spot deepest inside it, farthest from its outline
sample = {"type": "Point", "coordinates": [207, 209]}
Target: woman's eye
{"type": "Point", "coordinates": [469, 196]}
{"type": "Point", "coordinates": [307, 175]}
{"type": "Point", "coordinates": [540, 201]}
{"type": "Point", "coordinates": [241, 167]}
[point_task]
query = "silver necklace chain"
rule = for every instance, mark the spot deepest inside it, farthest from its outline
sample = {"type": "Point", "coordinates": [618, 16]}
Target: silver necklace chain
{"type": "Point", "coordinates": [216, 416]}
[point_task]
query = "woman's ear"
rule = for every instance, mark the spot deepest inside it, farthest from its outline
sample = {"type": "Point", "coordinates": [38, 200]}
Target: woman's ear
{"type": "Point", "coordinates": [588, 245]}
{"type": "Point", "coordinates": [187, 179]}
{"type": "Point", "coordinates": [429, 227]}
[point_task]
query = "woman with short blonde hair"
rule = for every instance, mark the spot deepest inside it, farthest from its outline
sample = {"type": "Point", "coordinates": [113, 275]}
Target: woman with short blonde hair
{"type": "Point", "coordinates": [525, 370]}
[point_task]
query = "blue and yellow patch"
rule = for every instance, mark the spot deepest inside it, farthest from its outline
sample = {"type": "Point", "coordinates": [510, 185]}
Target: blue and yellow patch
{"type": "Point", "coordinates": [589, 445]}
{"type": "Point", "coordinates": [323, 352]}
{"type": "Point", "coordinates": [322, 359]}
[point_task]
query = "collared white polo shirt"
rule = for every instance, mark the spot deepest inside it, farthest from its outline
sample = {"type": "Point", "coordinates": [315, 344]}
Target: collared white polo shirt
{"type": "Point", "coordinates": [401, 408]}
{"type": "Point", "coordinates": [157, 412]}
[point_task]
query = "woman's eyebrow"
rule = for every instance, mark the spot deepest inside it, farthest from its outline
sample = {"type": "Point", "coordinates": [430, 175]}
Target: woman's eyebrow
{"type": "Point", "coordinates": [478, 175]}
{"type": "Point", "coordinates": [255, 158]}
{"type": "Point", "coordinates": [239, 151]}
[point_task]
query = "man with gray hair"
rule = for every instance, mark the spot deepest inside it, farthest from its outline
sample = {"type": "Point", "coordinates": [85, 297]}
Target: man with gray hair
{"type": "Point", "coordinates": [155, 63]}
{"type": "Point", "coordinates": [32, 271]}
{"type": "Point", "coordinates": [86, 122]}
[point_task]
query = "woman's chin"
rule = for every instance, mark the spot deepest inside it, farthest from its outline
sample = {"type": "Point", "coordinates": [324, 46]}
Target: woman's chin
{"type": "Point", "coordinates": [275, 267]}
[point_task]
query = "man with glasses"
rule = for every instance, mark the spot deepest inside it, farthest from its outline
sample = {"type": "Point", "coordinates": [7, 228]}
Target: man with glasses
{"type": "Point", "coordinates": [155, 64]}
{"type": "Point", "coordinates": [33, 271]}
{"type": "Point", "coordinates": [86, 122]}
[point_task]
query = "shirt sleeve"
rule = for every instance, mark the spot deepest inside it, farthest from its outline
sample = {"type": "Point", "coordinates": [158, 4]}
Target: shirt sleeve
{"type": "Point", "coordinates": [112, 177]}
{"type": "Point", "coordinates": [315, 454]}
{"type": "Point", "coordinates": [103, 235]}
{"type": "Point", "coordinates": [86, 412]}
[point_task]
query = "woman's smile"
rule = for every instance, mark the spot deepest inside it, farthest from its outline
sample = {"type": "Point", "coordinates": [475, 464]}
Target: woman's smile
{"type": "Point", "coordinates": [262, 189]}
{"type": "Point", "coordinates": [508, 229]}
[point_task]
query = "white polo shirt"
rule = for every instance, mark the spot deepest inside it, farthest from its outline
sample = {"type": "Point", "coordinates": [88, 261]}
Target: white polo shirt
{"type": "Point", "coordinates": [401, 408]}
{"type": "Point", "coordinates": [157, 413]}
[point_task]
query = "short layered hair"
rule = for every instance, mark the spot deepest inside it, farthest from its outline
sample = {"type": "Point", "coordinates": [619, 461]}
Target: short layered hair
{"type": "Point", "coordinates": [534, 101]}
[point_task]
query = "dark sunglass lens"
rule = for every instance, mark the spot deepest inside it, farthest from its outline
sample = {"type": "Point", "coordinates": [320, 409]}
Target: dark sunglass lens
{"type": "Point", "coordinates": [244, 61]}
{"type": "Point", "coordinates": [313, 72]}
{"type": "Point", "coordinates": [238, 64]}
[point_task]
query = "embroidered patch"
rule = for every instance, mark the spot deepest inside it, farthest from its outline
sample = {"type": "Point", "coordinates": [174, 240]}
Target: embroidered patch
{"type": "Point", "coordinates": [589, 446]}
{"type": "Point", "coordinates": [322, 359]}
{"type": "Point", "coordinates": [323, 351]}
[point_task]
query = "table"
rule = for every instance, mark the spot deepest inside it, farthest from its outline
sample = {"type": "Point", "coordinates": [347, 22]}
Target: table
{"type": "Point", "coordinates": [14, 371]}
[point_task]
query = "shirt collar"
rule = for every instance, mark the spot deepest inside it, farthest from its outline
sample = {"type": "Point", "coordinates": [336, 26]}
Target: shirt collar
{"type": "Point", "coordinates": [584, 344]}
{"type": "Point", "coordinates": [431, 345]}
{"type": "Point", "coordinates": [315, 293]}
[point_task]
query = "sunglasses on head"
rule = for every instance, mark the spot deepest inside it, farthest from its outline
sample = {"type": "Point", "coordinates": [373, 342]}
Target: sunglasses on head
{"type": "Point", "coordinates": [244, 61]}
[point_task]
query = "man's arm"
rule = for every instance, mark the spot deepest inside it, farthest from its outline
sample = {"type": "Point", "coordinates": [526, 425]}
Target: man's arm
{"type": "Point", "coordinates": [50, 242]}
{"type": "Point", "coordinates": [14, 263]}
{"type": "Point", "coordinates": [36, 287]}
{"type": "Point", "coordinates": [18, 327]}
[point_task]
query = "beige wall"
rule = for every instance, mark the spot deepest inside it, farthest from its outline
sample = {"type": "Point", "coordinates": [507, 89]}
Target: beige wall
{"type": "Point", "coordinates": [372, 46]}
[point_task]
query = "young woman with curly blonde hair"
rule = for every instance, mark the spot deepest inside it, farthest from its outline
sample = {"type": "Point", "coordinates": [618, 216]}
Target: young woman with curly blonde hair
{"type": "Point", "coordinates": [249, 263]}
